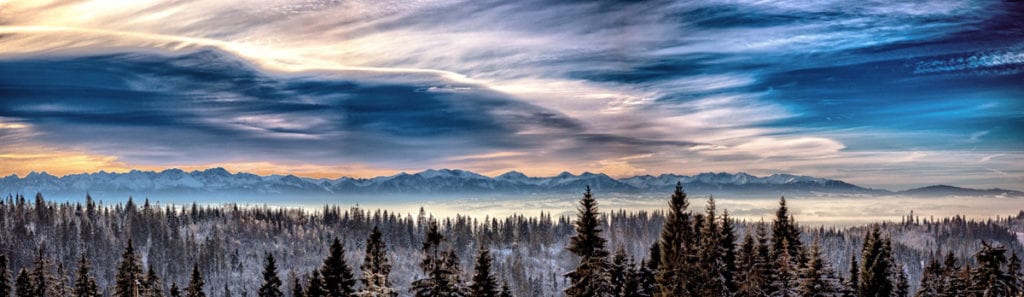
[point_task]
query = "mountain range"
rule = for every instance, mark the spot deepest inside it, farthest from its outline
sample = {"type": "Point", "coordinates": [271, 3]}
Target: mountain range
{"type": "Point", "coordinates": [218, 181]}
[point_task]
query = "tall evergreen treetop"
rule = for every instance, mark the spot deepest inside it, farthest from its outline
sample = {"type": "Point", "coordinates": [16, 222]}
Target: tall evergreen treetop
{"type": "Point", "coordinates": [376, 267]}
{"type": "Point", "coordinates": [196, 283]}
{"type": "Point", "coordinates": [129, 273]}
{"type": "Point", "coordinates": [85, 284]}
{"type": "Point", "coordinates": [675, 238]}
{"type": "Point", "coordinates": [339, 281]}
{"type": "Point", "coordinates": [23, 286]}
{"type": "Point", "coordinates": [484, 282]}
{"type": "Point", "coordinates": [590, 278]}
{"type": "Point", "coordinates": [5, 277]}
{"type": "Point", "coordinates": [271, 282]}
{"type": "Point", "coordinates": [876, 272]}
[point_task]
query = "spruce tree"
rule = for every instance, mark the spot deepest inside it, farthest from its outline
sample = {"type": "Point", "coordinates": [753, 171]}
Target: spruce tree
{"type": "Point", "coordinates": [746, 275]}
{"type": "Point", "coordinates": [853, 284]}
{"type": "Point", "coordinates": [953, 281]}
{"type": "Point", "coordinates": [5, 277]}
{"type": "Point", "coordinates": [989, 279]}
{"type": "Point", "coordinates": [484, 282]}
{"type": "Point", "coordinates": [40, 277]}
{"type": "Point", "coordinates": [339, 281]}
{"type": "Point", "coordinates": [505, 291]}
{"type": "Point", "coordinates": [786, 245]}
{"type": "Point", "coordinates": [271, 286]}
{"type": "Point", "coordinates": [876, 279]}
{"type": "Point", "coordinates": [297, 289]}
{"type": "Point", "coordinates": [931, 280]}
{"type": "Point", "coordinates": [23, 286]}
{"type": "Point", "coordinates": [902, 284]}
{"type": "Point", "coordinates": [711, 268]}
{"type": "Point", "coordinates": [152, 285]}
{"type": "Point", "coordinates": [129, 273]}
{"type": "Point", "coordinates": [816, 278]}
{"type": "Point", "coordinates": [436, 265]}
{"type": "Point", "coordinates": [85, 284]}
{"type": "Point", "coordinates": [646, 275]}
{"type": "Point", "coordinates": [785, 281]}
{"type": "Point", "coordinates": [315, 286]}
{"type": "Point", "coordinates": [195, 284]}
{"type": "Point", "coordinates": [376, 268]}
{"type": "Point", "coordinates": [674, 266]}
{"type": "Point", "coordinates": [1015, 274]}
{"type": "Point", "coordinates": [61, 288]}
{"type": "Point", "coordinates": [590, 278]}
{"type": "Point", "coordinates": [728, 247]}
{"type": "Point", "coordinates": [175, 291]}
{"type": "Point", "coordinates": [764, 263]}
{"type": "Point", "coordinates": [619, 272]}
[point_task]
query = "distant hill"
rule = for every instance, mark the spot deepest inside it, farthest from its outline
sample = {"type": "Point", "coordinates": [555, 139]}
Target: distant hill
{"type": "Point", "coordinates": [219, 182]}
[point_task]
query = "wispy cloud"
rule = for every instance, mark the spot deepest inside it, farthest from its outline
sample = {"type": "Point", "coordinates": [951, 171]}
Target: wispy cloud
{"type": "Point", "coordinates": [689, 86]}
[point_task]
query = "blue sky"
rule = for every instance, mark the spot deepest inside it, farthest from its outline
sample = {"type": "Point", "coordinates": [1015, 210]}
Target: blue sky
{"type": "Point", "coordinates": [878, 93]}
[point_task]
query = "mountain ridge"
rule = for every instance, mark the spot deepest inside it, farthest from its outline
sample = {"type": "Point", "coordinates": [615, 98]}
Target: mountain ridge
{"type": "Point", "coordinates": [451, 181]}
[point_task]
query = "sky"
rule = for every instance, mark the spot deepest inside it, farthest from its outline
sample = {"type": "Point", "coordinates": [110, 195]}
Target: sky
{"type": "Point", "coordinates": [887, 94]}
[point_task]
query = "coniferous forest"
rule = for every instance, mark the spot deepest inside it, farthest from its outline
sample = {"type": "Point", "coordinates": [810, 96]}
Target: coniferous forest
{"type": "Point", "coordinates": [91, 249]}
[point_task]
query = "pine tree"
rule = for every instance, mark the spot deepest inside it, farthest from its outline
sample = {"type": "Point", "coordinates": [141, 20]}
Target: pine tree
{"type": "Point", "coordinates": [40, 276]}
{"type": "Point", "coordinates": [85, 284]}
{"type": "Point", "coordinates": [152, 285]}
{"type": "Point", "coordinates": [23, 287]}
{"type": "Point", "coordinates": [505, 291]}
{"type": "Point", "coordinates": [590, 278]}
{"type": "Point", "coordinates": [619, 272]}
{"type": "Point", "coordinates": [271, 282]}
{"type": "Point", "coordinates": [853, 284]}
{"type": "Point", "coordinates": [953, 282]}
{"type": "Point", "coordinates": [902, 284]}
{"type": "Point", "coordinates": [764, 263]}
{"type": "Point", "coordinates": [786, 246]}
{"type": "Point", "coordinates": [195, 284]}
{"type": "Point", "coordinates": [175, 291]}
{"type": "Point", "coordinates": [484, 282]}
{"type": "Point", "coordinates": [436, 265]}
{"type": "Point", "coordinates": [711, 265]}
{"type": "Point", "coordinates": [5, 277]}
{"type": "Point", "coordinates": [646, 275]}
{"type": "Point", "coordinates": [1016, 276]}
{"type": "Point", "coordinates": [746, 275]}
{"type": "Point", "coordinates": [785, 281]}
{"type": "Point", "coordinates": [989, 279]}
{"type": "Point", "coordinates": [297, 289]}
{"type": "Point", "coordinates": [816, 278]}
{"type": "Point", "coordinates": [673, 270]}
{"type": "Point", "coordinates": [376, 268]}
{"type": "Point", "coordinates": [785, 230]}
{"type": "Point", "coordinates": [876, 278]}
{"type": "Point", "coordinates": [315, 286]}
{"type": "Point", "coordinates": [728, 247]}
{"type": "Point", "coordinates": [339, 281]}
{"type": "Point", "coordinates": [60, 283]}
{"type": "Point", "coordinates": [129, 273]}
{"type": "Point", "coordinates": [931, 280]}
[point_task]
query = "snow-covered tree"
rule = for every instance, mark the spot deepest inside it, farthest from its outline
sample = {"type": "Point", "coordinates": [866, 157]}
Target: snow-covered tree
{"type": "Point", "coordinates": [484, 282]}
{"type": "Point", "coordinates": [676, 234]}
{"type": "Point", "coordinates": [376, 268]}
{"type": "Point", "coordinates": [590, 278]}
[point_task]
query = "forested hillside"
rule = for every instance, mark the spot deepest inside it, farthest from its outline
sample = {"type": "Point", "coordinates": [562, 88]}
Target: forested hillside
{"type": "Point", "coordinates": [75, 249]}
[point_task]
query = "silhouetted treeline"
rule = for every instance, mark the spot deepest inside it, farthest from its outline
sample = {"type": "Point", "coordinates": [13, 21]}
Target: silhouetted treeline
{"type": "Point", "coordinates": [89, 249]}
